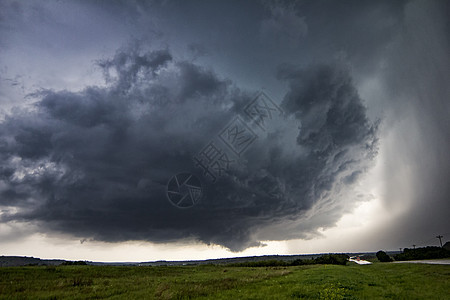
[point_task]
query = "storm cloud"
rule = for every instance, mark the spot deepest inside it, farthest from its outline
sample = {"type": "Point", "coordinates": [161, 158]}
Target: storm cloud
{"type": "Point", "coordinates": [95, 163]}
{"type": "Point", "coordinates": [103, 103]}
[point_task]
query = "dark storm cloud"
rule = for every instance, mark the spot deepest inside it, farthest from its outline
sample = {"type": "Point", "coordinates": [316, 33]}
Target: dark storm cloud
{"type": "Point", "coordinates": [128, 65]}
{"type": "Point", "coordinates": [403, 46]}
{"type": "Point", "coordinates": [95, 163]}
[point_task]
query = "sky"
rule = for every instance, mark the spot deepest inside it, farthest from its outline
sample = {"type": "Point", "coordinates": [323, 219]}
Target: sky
{"type": "Point", "coordinates": [176, 130]}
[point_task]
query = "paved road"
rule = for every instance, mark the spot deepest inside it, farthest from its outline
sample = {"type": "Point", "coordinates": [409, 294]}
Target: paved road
{"type": "Point", "coordinates": [360, 262]}
{"type": "Point", "coordinates": [426, 261]}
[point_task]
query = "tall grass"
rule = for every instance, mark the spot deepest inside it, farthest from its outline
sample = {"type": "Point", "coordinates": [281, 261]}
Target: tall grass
{"type": "Point", "coordinates": [377, 281]}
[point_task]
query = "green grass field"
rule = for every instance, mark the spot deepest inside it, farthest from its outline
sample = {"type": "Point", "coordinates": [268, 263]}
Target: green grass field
{"type": "Point", "coordinates": [377, 281]}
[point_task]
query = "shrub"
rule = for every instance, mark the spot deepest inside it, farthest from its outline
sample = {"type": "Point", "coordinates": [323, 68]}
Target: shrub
{"type": "Point", "coordinates": [383, 257]}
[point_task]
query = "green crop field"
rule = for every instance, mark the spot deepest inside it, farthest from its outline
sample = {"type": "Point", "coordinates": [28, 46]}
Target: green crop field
{"type": "Point", "coordinates": [377, 281]}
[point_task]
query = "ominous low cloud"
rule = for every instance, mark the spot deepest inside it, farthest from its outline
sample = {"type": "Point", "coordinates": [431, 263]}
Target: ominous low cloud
{"type": "Point", "coordinates": [95, 163]}
{"type": "Point", "coordinates": [91, 131]}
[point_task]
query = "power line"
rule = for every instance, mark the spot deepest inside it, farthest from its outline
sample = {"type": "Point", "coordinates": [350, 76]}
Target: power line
{"type": "Point", "coordinates": [428, 241]}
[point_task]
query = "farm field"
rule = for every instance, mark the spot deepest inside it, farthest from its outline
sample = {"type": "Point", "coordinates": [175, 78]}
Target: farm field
{"type": "Point", "coordinates": [376, 281]}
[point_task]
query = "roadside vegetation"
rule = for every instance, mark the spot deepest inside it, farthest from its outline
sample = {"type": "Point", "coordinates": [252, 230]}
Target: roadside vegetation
{"type": "Point", "coordinates": [423, 253]}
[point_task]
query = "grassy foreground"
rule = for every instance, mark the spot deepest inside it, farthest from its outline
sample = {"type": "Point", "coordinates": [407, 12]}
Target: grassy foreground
{"type": "Point", "coordinates": [377, 281]}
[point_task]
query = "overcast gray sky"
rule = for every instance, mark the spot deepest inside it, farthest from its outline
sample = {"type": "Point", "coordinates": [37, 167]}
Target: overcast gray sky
{"type": "Point", "coordinates": [103, 102]}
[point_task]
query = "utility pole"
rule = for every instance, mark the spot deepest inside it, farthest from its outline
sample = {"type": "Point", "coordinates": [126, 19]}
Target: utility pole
{"type": "Point", "coordinates": [440, 239]}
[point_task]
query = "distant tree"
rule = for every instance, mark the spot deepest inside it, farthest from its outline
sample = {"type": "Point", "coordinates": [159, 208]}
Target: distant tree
{"type": "Point", "coordinates": [383, 257]}
{"type": "Point", "coordinates": [74, 263]}
{"type": "Point", "coordinates": [332, 259]}
{"type": "Point", "coordinates": [327, 259]}
{"type": "Point", "coordinates": [298, 262]}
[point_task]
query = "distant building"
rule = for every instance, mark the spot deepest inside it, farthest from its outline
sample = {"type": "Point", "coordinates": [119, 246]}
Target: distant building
{"type": "Point", "coordinates": [446, 246]}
